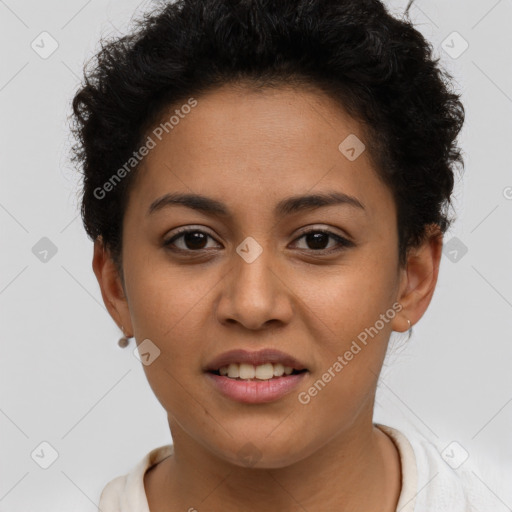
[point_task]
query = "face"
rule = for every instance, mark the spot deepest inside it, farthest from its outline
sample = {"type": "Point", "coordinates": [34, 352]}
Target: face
{"type": "Point", "coordinates": [255, 269]}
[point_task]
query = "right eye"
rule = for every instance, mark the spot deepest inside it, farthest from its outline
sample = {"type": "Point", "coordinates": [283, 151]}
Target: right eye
{"type": "Point", "coordinates": [191, 240]}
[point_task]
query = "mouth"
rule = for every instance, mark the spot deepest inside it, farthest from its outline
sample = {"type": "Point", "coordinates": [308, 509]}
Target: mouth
{"type": "Point", "coordinates": [262, 364]}
{"type": "Point", "coordinates": [255, 377]}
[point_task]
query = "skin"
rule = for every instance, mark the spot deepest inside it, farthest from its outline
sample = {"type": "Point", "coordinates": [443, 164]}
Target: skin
{"type": "Point", "coordinates": [250, 149]}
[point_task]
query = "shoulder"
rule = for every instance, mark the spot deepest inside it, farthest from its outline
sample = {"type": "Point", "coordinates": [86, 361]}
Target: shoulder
{"type": "Point", "coordinates": [126, 493]}
{"type": "Point", "coordinates": [443, 476]}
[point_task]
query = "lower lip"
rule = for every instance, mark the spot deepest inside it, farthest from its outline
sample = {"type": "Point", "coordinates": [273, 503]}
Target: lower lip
{"type": "Point", "coordinates": [256, 391]}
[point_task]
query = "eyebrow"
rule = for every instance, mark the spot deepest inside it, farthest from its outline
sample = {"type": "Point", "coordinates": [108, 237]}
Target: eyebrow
{"type": "Point", "coordinates": [286, 206]}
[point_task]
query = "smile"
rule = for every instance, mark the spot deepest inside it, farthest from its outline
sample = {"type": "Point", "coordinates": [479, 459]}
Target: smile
{"type": "Point", "coordinates": [255, 377]}
{"type": "Point", "coordinates": [266, 371]}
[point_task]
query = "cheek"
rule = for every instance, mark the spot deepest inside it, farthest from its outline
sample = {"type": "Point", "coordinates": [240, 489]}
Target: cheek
{"type": "Point", "coordinates": [347, 298]}
{"type": "Point", "coordinates": [165, 310]}
{"type": "Point", "coordinates": [350, 344]}
{"type": "Point", "coordinates": [164, 298]}
{"type": "Point", "coordinates": [350, 319]}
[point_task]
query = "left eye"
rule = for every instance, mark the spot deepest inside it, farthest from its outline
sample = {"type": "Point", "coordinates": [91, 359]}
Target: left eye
{"type": "Point", "coordinates": [319, 238]}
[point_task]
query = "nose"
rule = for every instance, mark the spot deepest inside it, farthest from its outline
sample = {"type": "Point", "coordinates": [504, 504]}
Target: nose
{"type": "Point", "coordinates": [255, 294]}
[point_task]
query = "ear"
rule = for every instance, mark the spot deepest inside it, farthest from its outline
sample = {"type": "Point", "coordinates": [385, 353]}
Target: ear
{"type": "Point", "coordinates": [419, 278]}
{"type": "Point", "coordinates": [111, 286]}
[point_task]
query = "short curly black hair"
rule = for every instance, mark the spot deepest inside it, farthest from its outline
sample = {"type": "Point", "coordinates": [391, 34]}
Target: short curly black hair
{"type": "Point", "coordinates": [379, 68]}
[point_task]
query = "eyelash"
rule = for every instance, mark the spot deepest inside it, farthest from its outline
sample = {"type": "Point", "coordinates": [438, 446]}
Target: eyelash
{"type": "Point", "coordinates": [345, 243]}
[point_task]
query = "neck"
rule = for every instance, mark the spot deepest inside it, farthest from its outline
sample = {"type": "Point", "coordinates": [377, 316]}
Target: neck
{"type": "Point", "coordinates": [358, 470]}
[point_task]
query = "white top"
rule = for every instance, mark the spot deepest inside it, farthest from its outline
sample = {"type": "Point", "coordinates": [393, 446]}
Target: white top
{"type": "Point", "coordinates": [431, 480]}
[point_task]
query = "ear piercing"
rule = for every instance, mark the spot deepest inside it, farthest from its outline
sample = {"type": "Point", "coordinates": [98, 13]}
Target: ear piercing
{"type": "Point", "coordinates": [124, 340]}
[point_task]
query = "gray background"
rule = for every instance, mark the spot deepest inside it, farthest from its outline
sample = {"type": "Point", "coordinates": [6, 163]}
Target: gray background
{"type": "Point", "coordinates": [64, 380]}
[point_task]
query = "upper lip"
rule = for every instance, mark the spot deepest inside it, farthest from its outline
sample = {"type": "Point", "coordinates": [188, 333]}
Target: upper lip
{"type": "Point", "coordinates": [255, 358]}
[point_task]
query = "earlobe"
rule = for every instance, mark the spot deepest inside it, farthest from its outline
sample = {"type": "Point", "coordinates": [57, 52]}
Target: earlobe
{"type": "Point", "coordinates": [110, 284]}
{"type": "Point", "coordinates": [419, 278]}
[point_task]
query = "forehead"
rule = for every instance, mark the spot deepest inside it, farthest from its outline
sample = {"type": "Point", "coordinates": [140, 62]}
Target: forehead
{"type": "Point", "coordinates": [251, 147]}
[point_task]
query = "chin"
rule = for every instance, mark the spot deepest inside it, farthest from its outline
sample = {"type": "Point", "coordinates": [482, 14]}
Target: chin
{"type": "Point", "coordinates": [263, 451]}
{"type": "Point", "coordinates": [251, 457]}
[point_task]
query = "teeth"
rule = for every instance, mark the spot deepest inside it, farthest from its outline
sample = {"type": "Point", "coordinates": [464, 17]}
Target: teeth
{"type": "Point", "coordinates": [234, 371]}
{"type": "Point", "coordinates": [264, 371]}
{"type": "Point", "coordinates": [278, 370]}
{"type": "Point", "coordinates": [246, 371]}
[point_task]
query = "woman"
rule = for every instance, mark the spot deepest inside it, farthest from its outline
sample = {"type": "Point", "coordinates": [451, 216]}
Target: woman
{"type": "Point", "coordinates": [266, 184]}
